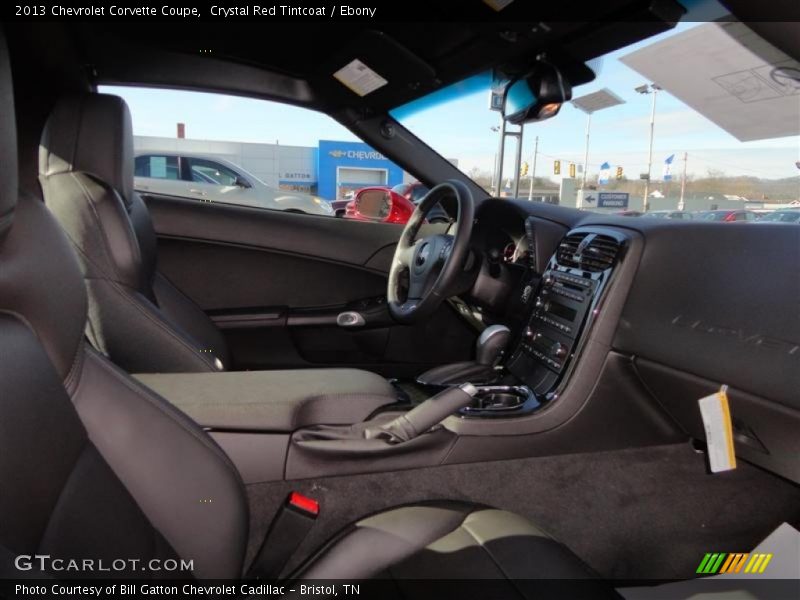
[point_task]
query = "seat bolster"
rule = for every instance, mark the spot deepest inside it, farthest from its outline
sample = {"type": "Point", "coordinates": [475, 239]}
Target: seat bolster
{"type": "Point", "coordinates": [184, 483]}
{"type": "Point", "coordinates": [188, 316]}
{"type": "Point", "coordinates": [370, 546]}
{"type": "Point", "coordinates": [449, 540]}
{"type": "Point", "coordinates": [139, 337]}
{"type": "Point", "coordinates": [41, 282]}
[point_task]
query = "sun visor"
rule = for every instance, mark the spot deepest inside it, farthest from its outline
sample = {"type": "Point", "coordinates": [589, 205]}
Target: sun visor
{"type": "Point", "coordinates": [730, 75]}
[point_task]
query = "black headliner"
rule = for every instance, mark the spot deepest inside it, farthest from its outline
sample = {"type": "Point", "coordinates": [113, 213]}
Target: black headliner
{"type": "Point", "coordinates": [295, 60]}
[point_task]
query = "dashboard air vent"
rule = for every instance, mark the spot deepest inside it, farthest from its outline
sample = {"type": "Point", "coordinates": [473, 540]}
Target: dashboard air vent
{"type": "Point", "coordinates": [591, 252]}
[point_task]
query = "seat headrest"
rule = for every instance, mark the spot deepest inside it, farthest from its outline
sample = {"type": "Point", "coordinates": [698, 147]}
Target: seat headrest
{"type": "Point", "coordinates": [90, 133]}
{"type": "Point", "coordinates": [8, 144]}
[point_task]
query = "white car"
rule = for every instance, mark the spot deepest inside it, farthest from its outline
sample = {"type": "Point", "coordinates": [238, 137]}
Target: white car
{"type": "Point", "coordinates": [216, 180]}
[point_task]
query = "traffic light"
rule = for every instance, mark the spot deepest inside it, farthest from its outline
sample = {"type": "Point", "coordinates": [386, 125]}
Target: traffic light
{"type": "Point", "coordinates": [524, 169]}
{"type": "Point", "coordinates": [619, 173]}
{"type": "Point", "coordinates": [572, 170]}
{"type": "Point", "coordinates": [556, 167]}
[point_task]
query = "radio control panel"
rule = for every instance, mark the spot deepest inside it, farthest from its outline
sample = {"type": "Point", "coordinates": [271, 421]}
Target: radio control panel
{"type": "Point", "coordinates": [558, 312]}
{"type": "Point", "coordinates": [562, 308]}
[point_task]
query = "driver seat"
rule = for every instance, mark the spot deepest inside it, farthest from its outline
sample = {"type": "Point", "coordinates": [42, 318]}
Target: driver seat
{"type": "Point", "coordinates": [137, 318]}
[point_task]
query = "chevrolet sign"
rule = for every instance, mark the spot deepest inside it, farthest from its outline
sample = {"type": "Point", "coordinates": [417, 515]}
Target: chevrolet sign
{"type": "Point", "coordinates": [357, 154]}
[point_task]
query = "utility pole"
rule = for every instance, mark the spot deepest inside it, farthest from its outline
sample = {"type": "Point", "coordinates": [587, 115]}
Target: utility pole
{"type": "Point", "coordinates": [681, 203]}
{"type": "Point", "coordinates": [517, 158]}
{"type": "Point", "coordinates": [533, 165]}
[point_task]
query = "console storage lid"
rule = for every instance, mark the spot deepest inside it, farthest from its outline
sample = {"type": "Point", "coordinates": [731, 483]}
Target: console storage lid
{"type": "Point", "coordinates": [275, 401]}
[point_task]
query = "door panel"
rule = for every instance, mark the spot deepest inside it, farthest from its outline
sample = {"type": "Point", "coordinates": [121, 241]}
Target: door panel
{"type": "Point", "coordinates": [223, 276]}
{"type": "Point", "coordinates": [275, 282]}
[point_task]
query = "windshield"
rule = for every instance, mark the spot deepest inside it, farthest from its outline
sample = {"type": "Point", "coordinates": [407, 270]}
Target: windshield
{"type": "Point", "coordinates": [700, 118]}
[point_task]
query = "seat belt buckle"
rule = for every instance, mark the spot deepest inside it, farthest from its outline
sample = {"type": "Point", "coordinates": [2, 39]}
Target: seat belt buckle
{"type": "Point", "coordinates": [303, 504]}
{"type": "Point", "coordinates": [288, 529]}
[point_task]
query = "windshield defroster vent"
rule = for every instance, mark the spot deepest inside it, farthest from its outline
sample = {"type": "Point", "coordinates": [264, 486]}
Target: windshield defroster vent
{"type": "Point", "coordinates": [591, 252]}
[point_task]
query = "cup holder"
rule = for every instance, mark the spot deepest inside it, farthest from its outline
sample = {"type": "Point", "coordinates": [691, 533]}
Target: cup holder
{"type": "Point", "coordinates": [501, 398]}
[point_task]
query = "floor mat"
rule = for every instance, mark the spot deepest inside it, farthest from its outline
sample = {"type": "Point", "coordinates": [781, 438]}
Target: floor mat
{"type": "Point", "coordinates": [648, 513]}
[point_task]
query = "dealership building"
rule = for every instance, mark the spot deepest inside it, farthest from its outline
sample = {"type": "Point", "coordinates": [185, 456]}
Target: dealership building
{"type": "Point", "coordinates": [329, 170]}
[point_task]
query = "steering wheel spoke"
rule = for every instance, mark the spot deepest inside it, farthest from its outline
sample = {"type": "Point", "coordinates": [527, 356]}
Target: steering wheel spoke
{"type": "Point", "coordinates": [404, 256]}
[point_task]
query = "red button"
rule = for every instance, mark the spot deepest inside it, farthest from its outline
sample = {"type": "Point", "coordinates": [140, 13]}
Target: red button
{"type": "Point", "coordinates": [304, 503]}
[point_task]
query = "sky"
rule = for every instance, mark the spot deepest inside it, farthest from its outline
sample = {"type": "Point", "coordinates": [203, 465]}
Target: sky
{"type": "Point", "coordinates": [462, 128]}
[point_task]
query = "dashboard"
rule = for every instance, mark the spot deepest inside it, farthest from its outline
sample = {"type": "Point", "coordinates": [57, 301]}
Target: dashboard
{"type": "Point", "coordinates": [584, 291]}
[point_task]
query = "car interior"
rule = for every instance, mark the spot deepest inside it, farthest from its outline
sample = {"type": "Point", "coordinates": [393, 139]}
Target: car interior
{"type": "Point", "coordinates": [172, 371]}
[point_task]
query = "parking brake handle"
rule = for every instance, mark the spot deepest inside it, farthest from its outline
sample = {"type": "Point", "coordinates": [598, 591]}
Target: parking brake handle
{"type": "Point", "coordinates": [421, 418]}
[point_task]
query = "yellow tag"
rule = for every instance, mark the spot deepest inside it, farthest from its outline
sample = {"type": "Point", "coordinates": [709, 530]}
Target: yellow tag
{"type": "Point", "coordinates": [716, 415]}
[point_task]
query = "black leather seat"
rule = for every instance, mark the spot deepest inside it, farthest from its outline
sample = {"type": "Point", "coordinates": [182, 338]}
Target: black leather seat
{"type": "Point", "coordinates": [136, 316]}
{"type": "Point", "coordinates": [95, 466]}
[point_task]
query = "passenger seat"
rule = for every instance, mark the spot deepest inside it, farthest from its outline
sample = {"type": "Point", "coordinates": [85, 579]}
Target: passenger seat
{"type": "Point", "coordinates": [137, 318]}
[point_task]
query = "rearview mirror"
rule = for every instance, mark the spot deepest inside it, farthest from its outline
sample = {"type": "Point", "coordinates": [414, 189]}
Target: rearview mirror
{"type": "Point", "coordinates": [242, 182]}
{"type": "Point", "coordinates": [536, 96]}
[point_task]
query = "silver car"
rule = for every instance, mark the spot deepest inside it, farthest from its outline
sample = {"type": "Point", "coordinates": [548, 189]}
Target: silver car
{"type": "Point", "coordinates": [211, 179]}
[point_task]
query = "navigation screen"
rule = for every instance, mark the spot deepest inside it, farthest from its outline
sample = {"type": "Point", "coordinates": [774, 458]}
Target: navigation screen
{"type": "Point", "coordinates": [559, 310]}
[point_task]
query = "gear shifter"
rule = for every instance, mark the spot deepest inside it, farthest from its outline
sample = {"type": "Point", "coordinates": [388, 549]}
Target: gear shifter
{"type": "Point", "coordinates": [488, 352]}
{"type": "Point", "coordinates": [491, 344]}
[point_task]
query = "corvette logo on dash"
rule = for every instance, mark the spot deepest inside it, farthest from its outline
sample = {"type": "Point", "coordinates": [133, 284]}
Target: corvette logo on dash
{"type": "Point", "coordinates": [739, 335]}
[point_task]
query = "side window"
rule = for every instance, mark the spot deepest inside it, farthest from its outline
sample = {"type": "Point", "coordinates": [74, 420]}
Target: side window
{"type": "Point", "coordinates": [157, 167]}
{"type": "Point", "coordinates": [256, 153]}
{"type": "Point", "coordinates": [214, 173]}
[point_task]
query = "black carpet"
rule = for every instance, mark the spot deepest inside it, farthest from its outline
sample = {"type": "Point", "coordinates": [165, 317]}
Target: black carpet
{"type": "Point", "coordinates": [641, 513]}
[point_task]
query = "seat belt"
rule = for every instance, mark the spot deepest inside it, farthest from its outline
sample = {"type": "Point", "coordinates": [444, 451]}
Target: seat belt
{"type": "Point", "coordinates": [288, 529]}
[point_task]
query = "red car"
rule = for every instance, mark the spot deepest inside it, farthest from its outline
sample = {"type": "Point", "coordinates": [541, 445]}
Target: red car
{"type": "Point", "coordinates": [728, 215]}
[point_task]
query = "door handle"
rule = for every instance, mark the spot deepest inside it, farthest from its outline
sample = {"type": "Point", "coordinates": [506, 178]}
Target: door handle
{"type": "Point", "coordinates": [196, 191]}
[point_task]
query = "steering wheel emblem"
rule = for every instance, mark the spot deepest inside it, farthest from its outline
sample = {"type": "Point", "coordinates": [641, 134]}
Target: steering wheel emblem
{"type": "Point", "coordinates": [423, 254]}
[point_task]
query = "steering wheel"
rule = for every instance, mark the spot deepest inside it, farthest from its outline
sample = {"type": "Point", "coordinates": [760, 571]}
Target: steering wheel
{"type": "Point", "coordinates": [433, 263]}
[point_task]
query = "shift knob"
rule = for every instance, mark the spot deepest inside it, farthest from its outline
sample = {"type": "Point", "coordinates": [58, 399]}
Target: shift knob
{"type": "Point", "coordinates": [491, 344]}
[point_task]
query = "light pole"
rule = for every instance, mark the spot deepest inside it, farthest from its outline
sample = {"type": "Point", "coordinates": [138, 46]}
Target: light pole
{"type": "Point", "coordinates": [653, 89]}
{"type": "Point", "coordinates": [586, 151]}
{"type": "Point", "coordinates": [590, 104]}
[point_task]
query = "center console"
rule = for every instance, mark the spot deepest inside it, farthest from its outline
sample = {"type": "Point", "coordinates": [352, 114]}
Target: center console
{"type": "Point", "coordinates": [299, 424]}
{"type": "Point", "coordinates": [561, 312]}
